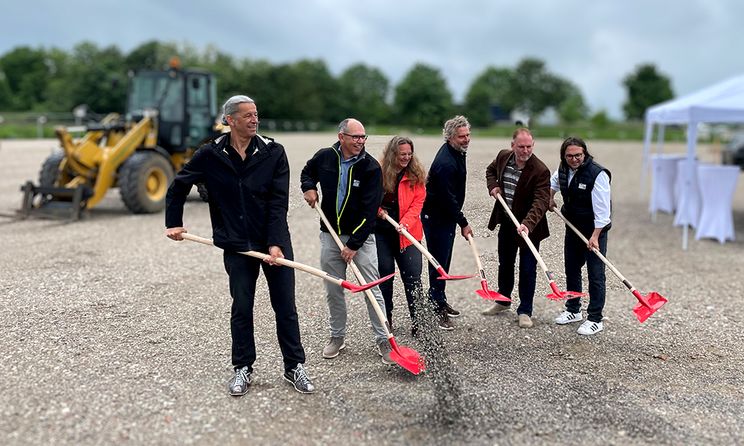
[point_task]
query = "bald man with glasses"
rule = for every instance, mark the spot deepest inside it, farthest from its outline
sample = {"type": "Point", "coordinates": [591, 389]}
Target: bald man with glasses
{"type": "Point", "coordinates": [351, 182]}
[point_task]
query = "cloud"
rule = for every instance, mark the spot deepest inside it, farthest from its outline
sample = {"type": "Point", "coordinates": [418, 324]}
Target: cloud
{"type": "Point", "coordinates": [595, 45]}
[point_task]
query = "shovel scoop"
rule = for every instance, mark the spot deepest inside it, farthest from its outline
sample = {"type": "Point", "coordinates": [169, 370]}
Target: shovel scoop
{"type": "Point", "coordinates": [557, 294]}
{"type": "Point", "coordinates": [406, 357]}
{"type": "Point", "coordinates": [647, 305]}
{"type": "Point", "coordinates": [484, 292]}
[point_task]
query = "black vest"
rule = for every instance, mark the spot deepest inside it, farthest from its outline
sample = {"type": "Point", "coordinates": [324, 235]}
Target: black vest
{"type": "Point", "coordinates": [577, 196]}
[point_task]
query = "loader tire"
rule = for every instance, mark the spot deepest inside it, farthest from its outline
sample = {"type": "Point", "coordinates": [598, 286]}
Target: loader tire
{"type": "Point", "coordinates": [143, 182]}
{"type": "Point", "coordinates": [49, 173]}
{"type": "Point", "coordinates": [201, 188]}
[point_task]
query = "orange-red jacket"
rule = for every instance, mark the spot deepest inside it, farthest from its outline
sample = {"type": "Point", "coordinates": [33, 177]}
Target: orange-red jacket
{"type": "Point", "coordinates": [410, 201]}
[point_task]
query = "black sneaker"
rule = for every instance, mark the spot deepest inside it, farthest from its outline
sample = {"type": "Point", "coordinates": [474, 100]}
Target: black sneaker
{"type": "Point", "coordinates": [451, 312]}
{"type": "Point", "coordinates": [299, 378]}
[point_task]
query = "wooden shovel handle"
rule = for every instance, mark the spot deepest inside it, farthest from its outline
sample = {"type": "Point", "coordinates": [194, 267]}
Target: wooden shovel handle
{"type": "Point", "coordinates": [413, 240]}
{"type": "Point", "coordinates": [280, 261]}
{"type": "Point", "coordinates": [476, 254]}
{"type": "Point", "coordinates": [368, 293]}
{"type": "Point", "coordinates": [595, 250]}
{"type": "Point", "coordinates": [524, 236]}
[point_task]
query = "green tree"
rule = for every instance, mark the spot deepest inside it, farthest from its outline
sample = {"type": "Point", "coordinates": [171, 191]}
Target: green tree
{"type": "Point", "coordinates": [422, 98]}
{"type": "Point", "coordinates": [535, 89]}
{"type": "Point", "coordinates": [27, 75]}
{"type": "Point", "coordinates": [6, 96]}
{"type": "Point", "coordinates": [59, 95]}
{"type": "Point", "coordinates": [600, 119]}
{"type": "Point", "coordinates": [363, 92]}
{"type": "Point", "coordinates": [97, 78]}
{"type": "Point", "coordinates": [572, 109]}
{"type": "Point", "coordinates": [151, 55]}
{"type": "Point", "coordinates": [646, 87]}
{"type": "Point", "coordinates": [490, 89]}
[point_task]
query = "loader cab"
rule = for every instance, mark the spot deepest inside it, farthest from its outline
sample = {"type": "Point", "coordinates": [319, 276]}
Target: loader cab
{"type": "Point", "coordinates": [184, 101]}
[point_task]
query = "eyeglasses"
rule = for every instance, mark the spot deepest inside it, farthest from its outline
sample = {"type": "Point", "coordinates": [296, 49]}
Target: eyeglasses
{"type": "Point", "coordinates": [357, 137]}
{"type": "Point", "coordinates": [574, 156]}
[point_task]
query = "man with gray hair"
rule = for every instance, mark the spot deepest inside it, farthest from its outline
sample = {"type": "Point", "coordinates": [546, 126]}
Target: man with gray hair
{"type": "Point", "coordinates": [351, 181]}
{"type": "Point", "coordinates": [247, 178]}
{"type": "Point", "coordinates": [442, 212]}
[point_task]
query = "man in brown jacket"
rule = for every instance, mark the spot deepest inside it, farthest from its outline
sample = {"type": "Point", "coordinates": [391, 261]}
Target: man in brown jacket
{"type": "Point", "coordinates": [524, 183]}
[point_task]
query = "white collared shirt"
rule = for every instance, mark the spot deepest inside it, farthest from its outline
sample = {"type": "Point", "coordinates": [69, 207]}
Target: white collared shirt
{"type": "Point", "coordinates": [600, 196]}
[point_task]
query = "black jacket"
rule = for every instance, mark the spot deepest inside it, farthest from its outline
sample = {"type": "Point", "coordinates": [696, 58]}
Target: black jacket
{"type": "Point", "coordinates": [364, 194]}
{"type": "Point", "coordinates": [248, 209]}
{"type": "Point", "coordinates": [445, 186]}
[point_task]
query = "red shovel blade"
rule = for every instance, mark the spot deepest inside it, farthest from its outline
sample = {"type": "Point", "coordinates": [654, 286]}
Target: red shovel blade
{"type": "Point", "coordinates": [444, 276]}
{"type": "Point", "coordinates": [354, 288]}
{"type": "Point", "coordinates": [407, 358]}
{"type": "Point", "coordinates": [647, 305]}
{"type": "Point", "coordinates": [488, 294]}
{"type": "Point", "coordinates": [560, 295]}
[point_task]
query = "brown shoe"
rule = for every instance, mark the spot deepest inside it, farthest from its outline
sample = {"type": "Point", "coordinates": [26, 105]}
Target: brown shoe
{"type": "Point", "coordinates": [444, 321]}
{"type": "Point", "coordinates": [525, 321]}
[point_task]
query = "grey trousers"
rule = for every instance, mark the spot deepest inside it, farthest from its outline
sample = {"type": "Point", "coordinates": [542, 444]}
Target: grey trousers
{"type": "Point", "coordinates": [332, 263]}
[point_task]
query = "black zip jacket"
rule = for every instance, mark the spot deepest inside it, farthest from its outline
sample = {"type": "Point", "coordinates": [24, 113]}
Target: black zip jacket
{"type": "Point", "coordinates": [358, 212]}
{"type": "Point", "coordinates": [248, 209]}
{"type": "Point", "coordinates": [445, 186]}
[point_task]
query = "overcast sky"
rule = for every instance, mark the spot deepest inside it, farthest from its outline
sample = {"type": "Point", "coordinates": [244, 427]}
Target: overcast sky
{"type": "Point", "coordinates": [593, 44]}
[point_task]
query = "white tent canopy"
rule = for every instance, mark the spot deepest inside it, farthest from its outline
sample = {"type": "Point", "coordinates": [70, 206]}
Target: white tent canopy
{"type": "Point", "coordinates": [719, 103]}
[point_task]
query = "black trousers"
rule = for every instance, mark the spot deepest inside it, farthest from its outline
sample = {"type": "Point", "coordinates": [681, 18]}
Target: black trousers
{"type": "Point", "coordinates": [576, 254]}
{"type": "Point", "coordinates": [243, 272]}
{"type": "Point", "coordinates": [440, 238]}
{"type": "Point", "coordinates": [409, 264]}
{"type": "Point", "coordinates": [508, 246]}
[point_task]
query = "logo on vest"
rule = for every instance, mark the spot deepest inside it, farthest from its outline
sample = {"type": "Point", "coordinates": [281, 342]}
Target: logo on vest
{"type": "Point", "coordinates": [582, 186]}
{"type": "Point", "coordinates": [355, 183]}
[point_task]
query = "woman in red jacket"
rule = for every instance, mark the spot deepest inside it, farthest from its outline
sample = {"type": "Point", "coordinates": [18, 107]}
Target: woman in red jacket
{"type": "Point", "coordinates": [403, 180]}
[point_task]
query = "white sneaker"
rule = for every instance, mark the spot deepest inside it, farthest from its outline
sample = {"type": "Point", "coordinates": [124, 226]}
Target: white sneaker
{"type": "Point", "coordinates": [567, 317]}
{"type": "Point", "coordinates": [589, 328]}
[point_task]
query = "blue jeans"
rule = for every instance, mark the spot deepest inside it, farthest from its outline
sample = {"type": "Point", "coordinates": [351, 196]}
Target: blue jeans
{"type": "Point", "coordinates": [508, 246]}
{"type": "Point", "coordinates": [409, 264]}
{"type": "Point", "coordinates": [576, 254]}
{"type": "Point", "coordinates": [440, 237]}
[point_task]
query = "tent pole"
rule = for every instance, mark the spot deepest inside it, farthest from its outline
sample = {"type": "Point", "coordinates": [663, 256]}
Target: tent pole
{"type": "Point", "coordinates": [684, 202]}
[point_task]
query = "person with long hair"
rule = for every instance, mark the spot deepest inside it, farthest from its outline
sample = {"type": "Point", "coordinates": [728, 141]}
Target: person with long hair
{"type": "Point", "coordinates": [585, 187]}
{"type": "Point", "coordinates": [403, 179]}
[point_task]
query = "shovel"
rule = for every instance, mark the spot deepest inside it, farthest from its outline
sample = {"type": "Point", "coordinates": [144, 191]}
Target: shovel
{"type": "Point", "coordinates": [484, 292]}
{"type": "Point", "coordinates": [295, 265]}
{"type": "Point", "coordinates": [556, 294]}
{"type": "Point", "coordinates": [648, 304]}
{"type": "Point", "coordinates": [442, 273]}
{"type": "Point", "coordinates": [405, 357]}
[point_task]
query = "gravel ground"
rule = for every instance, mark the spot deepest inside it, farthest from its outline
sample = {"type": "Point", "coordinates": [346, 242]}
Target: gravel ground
{"type": "Point", "coordinates": [111, 333]}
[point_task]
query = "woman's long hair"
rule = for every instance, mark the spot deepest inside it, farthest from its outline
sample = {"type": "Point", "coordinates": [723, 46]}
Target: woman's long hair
{"type": "Point", "coordinates": [389, 163]}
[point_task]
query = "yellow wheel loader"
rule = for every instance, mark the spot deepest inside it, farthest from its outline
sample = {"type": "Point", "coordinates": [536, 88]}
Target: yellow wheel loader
{"type": "Point", "coordinates": [169, 113]}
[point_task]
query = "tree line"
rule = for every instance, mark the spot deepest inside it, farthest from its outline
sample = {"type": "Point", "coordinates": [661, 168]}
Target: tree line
{"type": "Point", "coordinates": [54, 80]}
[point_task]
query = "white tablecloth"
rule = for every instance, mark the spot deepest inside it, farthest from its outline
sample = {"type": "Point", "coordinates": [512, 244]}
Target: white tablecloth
{"type": "Point", "coordinates": [664, 168]}
{"type": "Point", "coordinates": [686, 194]}
{"type": "Point", "coordinates": [717, 185]}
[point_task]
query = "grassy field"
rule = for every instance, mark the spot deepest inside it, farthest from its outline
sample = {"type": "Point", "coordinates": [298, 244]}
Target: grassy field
{"type": "Point", "coordinates": [27, 125]}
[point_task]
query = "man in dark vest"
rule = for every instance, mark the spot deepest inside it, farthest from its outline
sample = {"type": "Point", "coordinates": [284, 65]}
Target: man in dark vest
{"type": "Point", "coordinates": [585, 188]}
